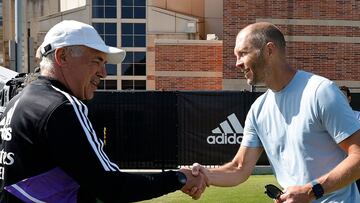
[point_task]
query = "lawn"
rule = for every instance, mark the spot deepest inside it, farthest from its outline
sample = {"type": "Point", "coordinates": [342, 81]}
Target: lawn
{"type": "Point", "coordinates": [252, 191]}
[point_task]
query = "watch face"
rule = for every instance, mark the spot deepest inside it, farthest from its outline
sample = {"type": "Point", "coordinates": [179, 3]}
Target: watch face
{"type": "Point", "coordinates": [317, 189]}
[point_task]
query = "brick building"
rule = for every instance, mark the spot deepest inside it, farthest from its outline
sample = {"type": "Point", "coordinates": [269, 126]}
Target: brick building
{"type": "Point", "coordinates": [166, 39]}
{"type": "Point", "coordinates": [188, 65]}
{"type": "Point", "coordinates": [322, 36]}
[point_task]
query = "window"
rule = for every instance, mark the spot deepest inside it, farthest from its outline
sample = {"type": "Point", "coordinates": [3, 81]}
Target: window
{"type": "Point", "coordinates": [104, 8]}
{"type": "Point", "coordinates": [134, 63]}
{"type": "Point", "coordinates": [133, 35]}
{"type": "Point", "coordinates": [133, 84]}
{"type": "Point", "coordinates": [111, 69]}
{"type": "Point", "coordinates": [107, 31]}
{"type": "Point", "coordinates": [133, 9]}
{"type": "Point", "coordinates": [108, 85]}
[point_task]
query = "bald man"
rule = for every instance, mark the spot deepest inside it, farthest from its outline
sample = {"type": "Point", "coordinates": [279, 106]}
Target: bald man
{"type": "Point", "coordinates": [302, 121]}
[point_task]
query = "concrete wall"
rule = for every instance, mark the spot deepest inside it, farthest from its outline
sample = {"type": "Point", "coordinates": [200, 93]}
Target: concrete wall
{"type": "Point", "coordinates": [81, 14]}
{"type": "Point", "coordinates": [213, 19]}
{"type": "Point", "coordinates": [164, 21]}
{"type": "Point", "coordinates": [189, 7]}
{"type": "Point", "coordinates": [71, 4]}
{"type": "Point", "coordinates": [8, 12]}
{"type": "Point", "coordinates": [208, 12]}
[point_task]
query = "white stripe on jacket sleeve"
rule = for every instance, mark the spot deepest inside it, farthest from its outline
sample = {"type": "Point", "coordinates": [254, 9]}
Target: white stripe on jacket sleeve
{"type": "Point", "coordinates": [94, 141]}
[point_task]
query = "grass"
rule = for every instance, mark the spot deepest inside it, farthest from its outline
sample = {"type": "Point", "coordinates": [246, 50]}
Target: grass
{"type": "Point", "coordinates": [252, 191]}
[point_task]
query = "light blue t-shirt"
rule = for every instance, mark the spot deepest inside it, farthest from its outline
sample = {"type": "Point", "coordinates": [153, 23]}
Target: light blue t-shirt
{"type": "Point", "coordinates": [300, 128]}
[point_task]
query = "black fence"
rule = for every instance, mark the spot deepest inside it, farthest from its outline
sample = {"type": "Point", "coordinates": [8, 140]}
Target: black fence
{"type": "Point", "coordinates": [355, 101]}
{"type": "Point", "coordinates": [160, 130]}
{"type": "Point", "coordinates": [140, 129]}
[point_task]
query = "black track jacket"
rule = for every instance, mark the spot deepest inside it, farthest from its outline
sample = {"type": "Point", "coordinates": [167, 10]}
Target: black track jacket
{"type": "Point", "coordinates": [46, 127]}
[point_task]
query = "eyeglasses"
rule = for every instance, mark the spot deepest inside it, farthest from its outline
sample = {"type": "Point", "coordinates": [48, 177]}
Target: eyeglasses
{"type": "Point", "coordinates": [272, 191]}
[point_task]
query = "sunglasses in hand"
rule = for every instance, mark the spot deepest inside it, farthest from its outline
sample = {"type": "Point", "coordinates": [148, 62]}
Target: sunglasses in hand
{"type": "Point", "coordinates": [272, 191]}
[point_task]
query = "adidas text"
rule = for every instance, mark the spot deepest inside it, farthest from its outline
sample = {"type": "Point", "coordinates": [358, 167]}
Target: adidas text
{"type": "Point", "coordinates": [224, 139]}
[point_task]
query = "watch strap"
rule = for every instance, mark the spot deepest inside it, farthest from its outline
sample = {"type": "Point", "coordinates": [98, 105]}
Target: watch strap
{"type": "Point", "coordinates": [181, 177]}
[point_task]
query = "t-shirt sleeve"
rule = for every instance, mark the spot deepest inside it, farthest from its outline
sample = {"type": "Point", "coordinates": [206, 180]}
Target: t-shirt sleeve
{"type": "Point", "coordinates": [250, 137]}
{"type": "Point", "coordinates": [334, 112]}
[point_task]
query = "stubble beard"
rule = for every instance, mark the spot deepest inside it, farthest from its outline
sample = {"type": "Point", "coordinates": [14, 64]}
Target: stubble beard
{"type": "Point", "coordinates": [259, 70]}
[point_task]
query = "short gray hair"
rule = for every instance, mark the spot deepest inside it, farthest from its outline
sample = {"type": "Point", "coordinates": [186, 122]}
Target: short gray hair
{"type": "Point", "coordinates": [47, 62]}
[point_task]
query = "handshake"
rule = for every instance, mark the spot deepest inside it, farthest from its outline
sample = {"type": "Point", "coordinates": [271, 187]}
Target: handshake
{"type": "Point", "coordinates": [197, 180]}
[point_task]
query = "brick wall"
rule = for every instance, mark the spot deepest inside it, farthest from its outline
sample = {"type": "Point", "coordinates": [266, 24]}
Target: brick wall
{"type": "Point", "coordinates": [188, 83]}
{"type": "Point", "coordinates": [323, 36]}
{"type": "Point", "coordinates": [189, 66]}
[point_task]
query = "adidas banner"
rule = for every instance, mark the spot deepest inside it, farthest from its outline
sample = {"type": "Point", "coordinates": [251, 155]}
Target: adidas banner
{"type": "Point", "coordinates": [146, 129]}
{"type": "Point", "coordinates": [211, 125]}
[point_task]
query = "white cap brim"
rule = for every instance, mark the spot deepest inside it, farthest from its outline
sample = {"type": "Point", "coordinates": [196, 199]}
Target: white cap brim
{"type": "Point", "coordinates": [114, 55]}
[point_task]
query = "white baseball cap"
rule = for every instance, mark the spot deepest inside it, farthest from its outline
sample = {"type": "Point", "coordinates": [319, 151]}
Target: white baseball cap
{"type": "Point", "coordinates": [71, 32]}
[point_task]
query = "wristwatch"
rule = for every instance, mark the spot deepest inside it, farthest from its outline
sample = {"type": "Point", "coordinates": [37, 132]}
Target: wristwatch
{"type": "Point", "coordinates": [181, 177]}
{"type": "Point", "coordinates": [317, 189]}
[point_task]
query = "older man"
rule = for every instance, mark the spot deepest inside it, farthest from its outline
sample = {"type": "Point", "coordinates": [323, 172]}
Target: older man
{"type": "Point", "coordinates": [302, 121]}
{"type": "Point", "coordinates": [49, 150]}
